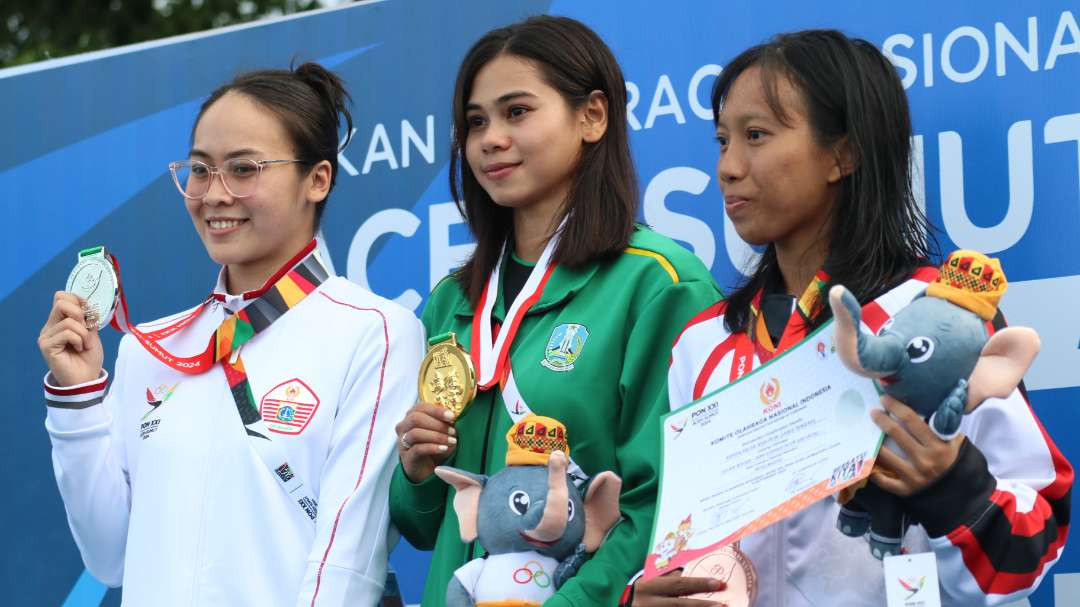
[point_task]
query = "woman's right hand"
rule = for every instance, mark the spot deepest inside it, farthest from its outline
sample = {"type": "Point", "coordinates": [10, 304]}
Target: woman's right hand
{"type": "Point", "coordinates": [674, 590]}
{"type": "Point", "coordinates": [426, 437]}
{"type": "Point", "coordinates": [72, 352]}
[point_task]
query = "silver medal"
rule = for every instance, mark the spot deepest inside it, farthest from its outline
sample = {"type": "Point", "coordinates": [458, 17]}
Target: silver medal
{"type": "Point", "coordinates": [94, 280]}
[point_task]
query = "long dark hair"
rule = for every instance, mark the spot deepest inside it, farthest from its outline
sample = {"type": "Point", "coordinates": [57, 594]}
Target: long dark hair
{"type": "Point", "coordinates": [309, 101]}
{"type": "Point", "coordinates": [602, 202]}
{"type": "Point", "coordinates": [878, 233]}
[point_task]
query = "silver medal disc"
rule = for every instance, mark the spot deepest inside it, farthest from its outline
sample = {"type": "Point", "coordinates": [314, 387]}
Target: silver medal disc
{"type": "Point", "coordinates": [94, 280]}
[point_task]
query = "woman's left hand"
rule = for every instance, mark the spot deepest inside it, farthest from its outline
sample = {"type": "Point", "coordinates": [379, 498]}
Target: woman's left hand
{"type": "Point", "coordinates": [928, 457]}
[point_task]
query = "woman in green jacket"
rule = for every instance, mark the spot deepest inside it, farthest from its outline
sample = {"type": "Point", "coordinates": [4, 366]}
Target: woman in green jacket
{"type": "Point", "coordinates": [567, 307]}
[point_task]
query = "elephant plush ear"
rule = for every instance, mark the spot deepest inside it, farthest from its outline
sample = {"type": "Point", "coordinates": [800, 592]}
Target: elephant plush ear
{"type": "Point", "coordinates": [467, 499]}
{"type": "Point", "coordinates": [601, 508]}
{"type": "Point", "coordinates": [1003, 361]}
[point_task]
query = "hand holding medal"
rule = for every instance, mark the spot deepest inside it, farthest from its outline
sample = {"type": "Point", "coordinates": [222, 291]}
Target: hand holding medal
{"type": "Point", "coordinates": [446, 385]}
{"type": "Point", "coordinates": [69, 340]}
{"type": "Point", "coordinates": [95, 282]}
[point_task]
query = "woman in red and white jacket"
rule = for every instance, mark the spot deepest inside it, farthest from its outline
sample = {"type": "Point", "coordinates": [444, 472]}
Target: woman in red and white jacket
{"type": "Point", "coordinates": [814, 135]}
{"type": "Point", "coordinates": [256, 472]}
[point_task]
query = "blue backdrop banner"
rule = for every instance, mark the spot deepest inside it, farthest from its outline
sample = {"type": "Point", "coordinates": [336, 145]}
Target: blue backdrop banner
{"type": "Point", "coordinates": [994, 88]}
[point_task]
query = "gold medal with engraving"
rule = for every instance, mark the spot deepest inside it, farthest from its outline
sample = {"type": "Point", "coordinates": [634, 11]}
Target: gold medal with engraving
{"type": "Point", "coordinates": [447, 377]}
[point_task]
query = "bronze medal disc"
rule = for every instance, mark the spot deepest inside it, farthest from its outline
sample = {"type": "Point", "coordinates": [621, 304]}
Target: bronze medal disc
{"type": "Point", "coordinates": [731, 566]}
{"type": "Point", "coordinates": [447, 377]}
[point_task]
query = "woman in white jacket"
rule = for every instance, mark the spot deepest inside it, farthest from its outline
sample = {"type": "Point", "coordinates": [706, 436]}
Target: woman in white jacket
{"type": "Point", "coordinates": [243, 451]}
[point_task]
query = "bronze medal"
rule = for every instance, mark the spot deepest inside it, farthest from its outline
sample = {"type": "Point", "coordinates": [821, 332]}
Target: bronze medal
{"type": "Point", "coordinates": [731, 566]}
{"type": "Point", "coordinates": [447, 377]}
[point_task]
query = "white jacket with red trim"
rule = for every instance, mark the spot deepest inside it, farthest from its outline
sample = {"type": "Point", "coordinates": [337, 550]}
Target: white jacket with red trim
{"type": "Point", "coordinates": [174, 503]}
{"type": "Point", "coordinates": [997, 520]}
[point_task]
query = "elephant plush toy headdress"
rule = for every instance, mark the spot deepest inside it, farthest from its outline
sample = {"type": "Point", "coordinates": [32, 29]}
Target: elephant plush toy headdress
{"type": "Point", "coordinates": [937, 356]}
{"type": "Point", "coordinates": [536, 526]}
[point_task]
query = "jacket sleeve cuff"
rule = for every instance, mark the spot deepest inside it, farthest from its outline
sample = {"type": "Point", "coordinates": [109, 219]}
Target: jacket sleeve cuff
{"type": "Point", "coordinates": [71, 410]}
{"type": "Point", "coordinates": [425, 497]}
{"type": "Point", "coordinates": [627, 598]}
{"type": "Point", "coordinates": [958, 497]}
{"type": "Point", "coordinates": [79, 396]}
{"type": "Point", "coordinates": [558, 600]}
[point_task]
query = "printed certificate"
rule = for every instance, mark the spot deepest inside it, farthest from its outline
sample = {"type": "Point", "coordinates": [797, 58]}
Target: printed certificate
{"type": "Point", "coordinates": [758, 450]}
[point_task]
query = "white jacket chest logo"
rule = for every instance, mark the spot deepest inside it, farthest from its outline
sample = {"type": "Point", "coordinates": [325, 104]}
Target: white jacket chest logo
{"type": "Point", "coordinates": [155, 398]}
{"type": "Point", "coordinates": [289, 406]}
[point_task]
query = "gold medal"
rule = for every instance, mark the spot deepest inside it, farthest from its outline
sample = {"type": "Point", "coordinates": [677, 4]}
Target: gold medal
{"type": "Point", "coordinates": [447, 377]}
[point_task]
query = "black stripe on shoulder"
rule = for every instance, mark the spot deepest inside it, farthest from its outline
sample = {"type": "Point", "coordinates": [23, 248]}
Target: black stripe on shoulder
{"type": "Point", "coordinates": [275, 301]}
{"type": "Point", "coordinates": [313, 273]}
{"type": "Point", "coordinates": [261, 314]}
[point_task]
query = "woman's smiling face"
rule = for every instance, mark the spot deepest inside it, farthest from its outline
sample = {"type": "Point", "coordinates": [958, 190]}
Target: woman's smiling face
{"type": "Point", "coordinates": [255, 234]}
{"type": "Point", "coordinates": [524, 141]}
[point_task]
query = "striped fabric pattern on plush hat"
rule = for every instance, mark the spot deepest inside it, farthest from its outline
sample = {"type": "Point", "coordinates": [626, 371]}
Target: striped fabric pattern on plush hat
{"type": "Point", "coordinates": [531, 441]}
{"type": "Point", "coordinates": [972, 281]}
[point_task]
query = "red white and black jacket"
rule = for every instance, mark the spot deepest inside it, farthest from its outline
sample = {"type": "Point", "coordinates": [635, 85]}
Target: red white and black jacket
{"type": "Point", "coordinates": [997, 520]}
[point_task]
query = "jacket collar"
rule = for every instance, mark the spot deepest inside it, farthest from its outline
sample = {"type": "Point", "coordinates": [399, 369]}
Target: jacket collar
{"type": "Point", "coordinates": [235, 302]}
{"type": "Point", "coordinates": [561, 287]}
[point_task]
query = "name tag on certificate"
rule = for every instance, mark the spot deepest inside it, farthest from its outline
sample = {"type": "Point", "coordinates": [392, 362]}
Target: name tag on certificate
{"type": "Point", "coordinates": [758, 450]}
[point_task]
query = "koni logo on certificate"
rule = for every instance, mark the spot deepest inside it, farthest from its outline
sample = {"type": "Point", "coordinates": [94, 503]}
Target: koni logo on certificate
{"type": "Point", "coordinates": [770, 394]}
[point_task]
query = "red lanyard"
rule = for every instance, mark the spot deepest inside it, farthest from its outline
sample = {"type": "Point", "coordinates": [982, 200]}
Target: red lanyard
{"type": "Point", "coordinates": [297, 278]}
{"type": "Point", "coordinates": [756, 339]}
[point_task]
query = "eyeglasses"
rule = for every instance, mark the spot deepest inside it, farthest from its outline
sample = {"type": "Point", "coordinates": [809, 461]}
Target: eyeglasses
{"type": "Point", "coordinates": [240, 176]}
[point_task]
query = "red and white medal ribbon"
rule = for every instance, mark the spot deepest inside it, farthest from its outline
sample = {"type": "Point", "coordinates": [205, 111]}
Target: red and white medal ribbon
{"type": "Point", "coordinates": [491, 356]}
{"type": "Point", "coordinates": [875, 314]}
{"type": "Point", "coordinates": [149, 340]}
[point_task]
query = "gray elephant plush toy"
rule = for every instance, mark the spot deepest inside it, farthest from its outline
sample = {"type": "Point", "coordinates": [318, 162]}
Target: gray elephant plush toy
{"type": "Point", "coordinates": [936, 356]}
{"type": "Point", "coordinates": [535, 525]}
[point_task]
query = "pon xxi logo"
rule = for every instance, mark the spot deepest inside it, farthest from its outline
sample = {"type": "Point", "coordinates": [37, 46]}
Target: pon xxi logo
{"type": "Point", "coordinates": [155, 398]}
{"type": "Point", "coordinates": [678, 426]}
{"type": "Point", "coordinates": [912, 585]}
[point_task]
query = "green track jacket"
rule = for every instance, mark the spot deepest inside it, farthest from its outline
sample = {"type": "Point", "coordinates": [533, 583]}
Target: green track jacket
{"type": "Point", "coordinates": [610, 397]}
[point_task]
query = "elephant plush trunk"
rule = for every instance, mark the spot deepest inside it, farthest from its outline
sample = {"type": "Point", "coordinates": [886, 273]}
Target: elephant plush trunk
{"type": "Point", "coordinates": [553, 523]}
{"type": "Point", "coordinates": [866, 355]}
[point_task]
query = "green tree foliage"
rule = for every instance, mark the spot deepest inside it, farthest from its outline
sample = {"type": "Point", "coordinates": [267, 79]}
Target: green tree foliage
{"type": "Point", "coordinates": [34, 30]}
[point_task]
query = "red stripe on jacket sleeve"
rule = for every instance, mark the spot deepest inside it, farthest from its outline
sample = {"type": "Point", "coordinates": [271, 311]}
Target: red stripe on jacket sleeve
{"type": "Point", "coordinates": [713, 311]}
{"type": "Point", "coordinates": [367, 445]}
{"type": "Point", "coordinates": [988, 577]}
{"type": "Point", "coordinates": [87, 388]}
{"type": "Point", "coordinates": [717, 354]}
